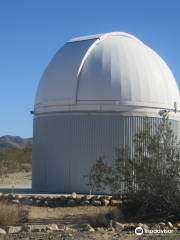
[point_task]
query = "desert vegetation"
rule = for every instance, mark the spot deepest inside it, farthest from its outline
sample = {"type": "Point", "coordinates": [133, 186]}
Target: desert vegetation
{"type": "Point", "coordinates": [15, 160]}
{"type": "Point", "coordinates": [11, 214]}
{"type": "Point", "coordinates": [147, 182]}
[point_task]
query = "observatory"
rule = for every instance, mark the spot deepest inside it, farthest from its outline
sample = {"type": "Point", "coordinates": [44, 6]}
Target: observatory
{"type": "Point", "coordinates": [93, 97]}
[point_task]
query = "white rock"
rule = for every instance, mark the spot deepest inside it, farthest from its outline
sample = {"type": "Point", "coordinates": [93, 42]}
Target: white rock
{"type": "Point", "coordinates": [104, 202]}
{"type": "Point", "coordinates": [170, 225]}
{"type": "Point", "coordinates": [2, 231]}
{"type": "Point", "coordinates": [118, 225]}
{"type": "Point", "coordinates": [52, 227]}
{"type": "Point", "coordinates": [88, 228]}
{"type": "Point", "coordinates": [15, 201]}
{"type": "Point", "coordinates": [74, 195]}
{"type": "Point", "coordinates": [14, 229]}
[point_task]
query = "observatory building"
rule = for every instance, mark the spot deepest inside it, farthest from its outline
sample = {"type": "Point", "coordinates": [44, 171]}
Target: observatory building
{"type": "Point", "coordinates": [93, 97]}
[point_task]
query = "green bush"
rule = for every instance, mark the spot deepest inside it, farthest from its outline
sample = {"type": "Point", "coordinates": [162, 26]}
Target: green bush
{"type": "Point", "coordinates": [148, 181]}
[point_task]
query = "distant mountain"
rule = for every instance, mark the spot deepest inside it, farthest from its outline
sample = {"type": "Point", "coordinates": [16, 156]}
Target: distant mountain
{"type": "Point", "coordinates": [14, 142]}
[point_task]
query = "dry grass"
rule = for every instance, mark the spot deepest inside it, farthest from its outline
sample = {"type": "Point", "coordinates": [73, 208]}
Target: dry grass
{"type": "Point", "coordinates": [17, 178]}
{"type": "Point", "coordinates": [11, 214]}
{"type": "Point", "coordinates": [96, 216]}
{"type": "Point", "coordinates": [61, 212]}
{"type": "Point", "coordinates": [103, 219]}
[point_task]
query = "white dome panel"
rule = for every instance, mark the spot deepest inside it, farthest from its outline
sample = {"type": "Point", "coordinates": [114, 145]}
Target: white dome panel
{"type": "Point", "coordinates": [101, 70]}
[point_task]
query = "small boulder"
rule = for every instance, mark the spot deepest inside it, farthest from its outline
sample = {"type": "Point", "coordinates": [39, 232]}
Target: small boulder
{"type": "Point", "coordinates": [115, 202]}
{"type": "Point", "coordinates": [144, 226]}
{"type": "Point", "coordinates": [84, 203]}
{"type": "Point", "coordinates": [118, 225]}
{"type": "Point", "coordinates": [129, 227]}
{"type": "Point", "coordinates": [96, 203]}
{"type": "Point", "coordinates": [74, 195]}
{"type": "Point", "coordinates": [37, 202]}
{"type": "Point", "coordinates": [15, 201]}
{"type": "Point", "coordinates": [2, 231]}
{"type": "Point", "coordinates": [52, 227]}
{"type": "Point", "coordinates": [177, 226]}
{"type": "Point", "coordinates": [107, 197]}
{"type": "Point", "coordinates": [96, 197]}
{"type": "Point", "coordinates": [71, 203]}
{"type": "Point", "coordinates": [162, 225]}
{"type": "Point", "coordinates": [104, 202]}
{"type": "Point", "coordinates": [170, 225]}
{"type": "Point", "coordinates": [14, 229]}
{"type": "Point", "coordinates": [88, 228]}
{"type": "Point", "coordinates": [27, 201]}
{"type": "Point", "coordinates": [19, 196]}
{"type": "Point", "coordinates": [100, 229]}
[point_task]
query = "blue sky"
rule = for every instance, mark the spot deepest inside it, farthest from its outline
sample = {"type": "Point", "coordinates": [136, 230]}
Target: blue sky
{"type": "Point", "coordinates": [31, 31]}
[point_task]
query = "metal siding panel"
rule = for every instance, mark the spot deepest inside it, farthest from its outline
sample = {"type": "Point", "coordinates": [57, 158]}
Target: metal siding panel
{"type": "Point", "coordinates": [66, 146]}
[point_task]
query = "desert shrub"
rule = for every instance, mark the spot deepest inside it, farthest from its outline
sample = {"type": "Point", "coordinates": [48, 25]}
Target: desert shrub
{"type": "Point", "coordinates": [148, 181]}
{"type": "Point", "coordinates": [13, 160]}
{"type": "Point", "coordinates": [11, 214]}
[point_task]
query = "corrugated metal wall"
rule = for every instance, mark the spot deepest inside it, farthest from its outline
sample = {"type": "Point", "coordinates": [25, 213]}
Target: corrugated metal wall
{"type": "Point", "coordinates": [66, 146]}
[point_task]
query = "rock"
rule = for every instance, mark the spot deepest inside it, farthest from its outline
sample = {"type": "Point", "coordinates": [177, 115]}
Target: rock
{"type": "Point", "coordinates": [74, 195]}
{"type": "Point", "coordinates": [19, 196]}
{"type": "Point", "coordinates": [66, 228]}
{"type": "Point", "coordinates": [177, 226]}
{"type": "Point", "coordinates": [107, 197]}
{"type": "Point", "coordinates": [15, 201]}
{"type": "Point", "coordinates": [162, 225]}
{"type": "Point", "coordinates": [45, 203]}
{"type": "Point", "coordinates": [88, 228]}
{"type": "Point", "coordinates": [14, 229]}
{"type": "Point", "coordinates": [52, 227]}
{"type": "Point", "coordinates": [1, 196]}
{"type": "Point", "coordinates": [96, 203]}
{"type": "Point", "coordinates": [96, 197]}
{"type": "Point", "coordinates": [129, 227]}
{"type": "Point", "coordinates": [104, 202]}
{"type": "Point", "coordinates": [71, 203]}
{"type": "Point", "coordinates": [10, 196]}
{"type": "Point", "coordinates": [144, 226]}
{"type": "Point", "coordinates": [115, 202]}
{"type": "Point", "coordinates": [63, 198]}
{"type": "Point", "coordinates": [112, 229]}
{"type": "Point", "coordinates": [86, 197]}
{"type": "Point", "coordinates": [118, 225]}
{"type": "Point", "coordinates": [27, 201]}
{"type": "Point", "coordinates": [36, 228]}
{"type": "Point", "coordinates": [2, 231]}
{"type": "Point", "coordinates": [170, 225]}
{"type": "Point", "coordinates": [100, 229]}
{"type": "Point", "coordinates": [78, 200]}
{"type": "Point", "coordinates": [37, 202]}
{"type": "Point", "coordinates": [25, 228]}
{"type": "Point", "coordinates": [84, 203]}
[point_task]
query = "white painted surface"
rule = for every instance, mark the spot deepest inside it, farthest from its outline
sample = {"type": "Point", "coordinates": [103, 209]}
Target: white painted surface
{"type": "Point", "coordinates": [110, 71]}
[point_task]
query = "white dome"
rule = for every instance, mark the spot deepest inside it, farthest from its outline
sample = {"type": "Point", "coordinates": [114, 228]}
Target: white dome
{"type": "Point", "coordinates": [112, 71]}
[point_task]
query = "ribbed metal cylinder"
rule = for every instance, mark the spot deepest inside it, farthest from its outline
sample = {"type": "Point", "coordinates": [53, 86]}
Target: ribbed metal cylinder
{"type": "Point", "coordinates": [65, 146]}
